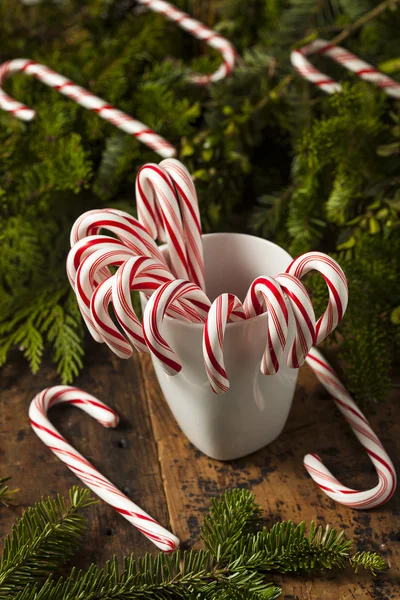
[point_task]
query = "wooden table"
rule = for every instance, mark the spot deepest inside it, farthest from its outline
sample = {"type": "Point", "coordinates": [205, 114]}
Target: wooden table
{"type": "Point", "coordinates": [150, 459]}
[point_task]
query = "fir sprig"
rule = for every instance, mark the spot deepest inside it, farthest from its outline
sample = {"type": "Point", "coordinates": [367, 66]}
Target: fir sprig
{"type": "Point", "coordinates": [236, 564]}
{"type": "Point", "coordinates": [43, 539]}
{"type": "Point", "coordinates": [7, 496]}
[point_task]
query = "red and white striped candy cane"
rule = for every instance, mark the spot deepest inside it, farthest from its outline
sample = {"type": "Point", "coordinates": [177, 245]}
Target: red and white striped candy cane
{"type": "Point", "coordinates": [201, 32]}
{"type": "Point", "coordinates": [105, 327]}
{"type": "Point", "coordinates": [82, 468]}
{"type": "Point", "coordinates": [137, 273]}
{"type": "Point", "coordinates": [128, 278]}
{"type": "Point", "coordinates": [155, 312]}
{"type": "Point", "coordinates": [303, 313]}
{"type": "Point", "coordinates": [337, 285]}
{"type": "Point", "coordinates": [386, 486]}
{"type": "Point", "coordinates": [224, 308]}
{"type": "Point", "coordinates": [189, 206]}
{"type": "Point", "coordinates": [84, 248]}
{"type": "Point", "coordinates": [159, 213]}
{"type": "Point", "coordinates": [347, 59]}
{"type": "Point", "coordinates": [127, 228]}
{"type": "Point", "coordinates": [265, 294]}
{"type": "Point", "coordinates": [81, 96]}
{"type": "Point", "coordinates": [145, 275]}
{"type": "Point", "coordinates": [88, 273]}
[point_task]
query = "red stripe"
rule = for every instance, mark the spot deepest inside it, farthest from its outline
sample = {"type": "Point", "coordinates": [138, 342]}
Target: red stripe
{"type": "Point", "coordinates": [42, 428]}
{"type": "Point", "coordinates": [210, 353]}
{"type": "Point", "coordinates": [383, 462]}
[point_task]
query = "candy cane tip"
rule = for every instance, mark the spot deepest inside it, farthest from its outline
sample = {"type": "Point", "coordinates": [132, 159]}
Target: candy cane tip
{"type": "Point", "coordinates": [169, 153]}
{"type": "Point", "coordinates": [111, 424]}
{"type": "Point", "coordinates": [309, 458]}
{"type": "Point", "coordinates": [26, 115]}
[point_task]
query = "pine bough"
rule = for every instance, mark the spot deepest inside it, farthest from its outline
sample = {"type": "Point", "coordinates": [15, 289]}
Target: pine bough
{"type": "Point", "coordinates": [234, 565]}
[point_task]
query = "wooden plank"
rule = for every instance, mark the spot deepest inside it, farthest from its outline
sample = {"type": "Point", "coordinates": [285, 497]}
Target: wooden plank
{"type": "Point", "coordinates": [281, 485]}
{"type": "Point", "coordinates": [126, 455]}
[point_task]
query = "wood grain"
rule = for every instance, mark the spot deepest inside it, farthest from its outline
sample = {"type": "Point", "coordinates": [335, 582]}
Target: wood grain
{"type": "Point", "coordinates": [149, 458]}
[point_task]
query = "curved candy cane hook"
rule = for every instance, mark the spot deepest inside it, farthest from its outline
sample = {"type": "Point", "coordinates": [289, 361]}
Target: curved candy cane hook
{"type": "Point", "coordinates": [265, 294]}
{"type": "Point", "coordinates": [80, 96]}
{"type": "Point", "coordinates": [201, 32]}
{"type": "Point", "coordinates": [347, 59]}
{"type": "Point", "coordinates": [386, 486]}
{"type": "Point", "coordinates": [336, 281]}
{"type": "Point", "coordinates": [82, 468]}
{"type": "Point", "coordinates": [154, 314]}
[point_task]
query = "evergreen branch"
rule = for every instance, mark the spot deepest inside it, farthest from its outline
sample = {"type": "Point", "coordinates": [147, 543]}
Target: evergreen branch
{"type": "Point", "coordinates": [42, 540]}
{"type": "Point", "coordinates": [187, 575]}
{"type": "Point", "coordinates": [6, 495]}
{"type": "Point", "coordinates": [286, 548]}
{"type": "Point", "coordinates": [229, 518]}
{"type": "Point", "coordinates": [368, 560]}
{"type": "Point", "coordinates": [369, 16]}
{"type": "Point", "coordinates": [233, 567]}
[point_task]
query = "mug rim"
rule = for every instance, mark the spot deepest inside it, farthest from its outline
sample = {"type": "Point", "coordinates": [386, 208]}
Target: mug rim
{"type": "Point", "coordinates": [164, 248]}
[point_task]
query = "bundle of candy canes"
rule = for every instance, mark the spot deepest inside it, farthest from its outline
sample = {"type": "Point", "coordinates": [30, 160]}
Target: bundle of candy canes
{"type": "Point", "coordinates": [105, 269]}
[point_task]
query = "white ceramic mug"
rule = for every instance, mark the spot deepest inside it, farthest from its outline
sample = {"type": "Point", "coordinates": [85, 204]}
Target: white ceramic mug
{"type": "Point", "coordinates": [254, 410]}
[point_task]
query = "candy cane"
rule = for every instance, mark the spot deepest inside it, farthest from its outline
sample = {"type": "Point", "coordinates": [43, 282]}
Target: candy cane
{"type": "Point", "coordinates": [159, 213]}
{"type": "Point", "coordinates": [337, 286]}
{"type": "Point", "coordinates": [386, 486]}
{"type": "Point", "coordinates": [82, 468]}
{"type": "Point", "coordinates": [105, 327]}
{"type": "Point", "coordinates": [304, 317]}
{"type": "Point", "coordinates": [127, 228]}
{"type": "Point", "coordinates": [144, 275]}
{"type": "Point", "coordinates": [80, 96]}
{"type": "Point", "coordinates": [226, 306]}
{"type": "Point", "coordinates": [155, 312]}
{"type": "Point", "coordinates": [84, 248]}
{"type": "Point", "coordinates": [137, 273]}
{"type": "Point", "coordinates": [265, 294]}
{"type": "Point", "coordinates": [201, 32]}
{"type": "Point", "coordinates": [86, 276]}
{"type": "Point", "coordinates": [189, 206]}
{"type": "Point", "coordinates": [347, 59]}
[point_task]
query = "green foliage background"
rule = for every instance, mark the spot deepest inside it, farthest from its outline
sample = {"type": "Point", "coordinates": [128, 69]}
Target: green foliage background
{"type": "Point", "coordinates": [270, 154]}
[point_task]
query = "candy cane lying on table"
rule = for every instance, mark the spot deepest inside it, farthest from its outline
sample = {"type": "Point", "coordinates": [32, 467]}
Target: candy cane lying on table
{"type": "Point", "coordinates": [201, 32]}
{"type": "Point", "coordinates": [82, 468]}
{"type": "Point", "coordinates": [347, 59]}
{"type": "Point", "coordinates": [382, 492]}
{"type": "Point", "coordinates": [80, 96]}
{"type": "Point", "coordinates": [224, 308]}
